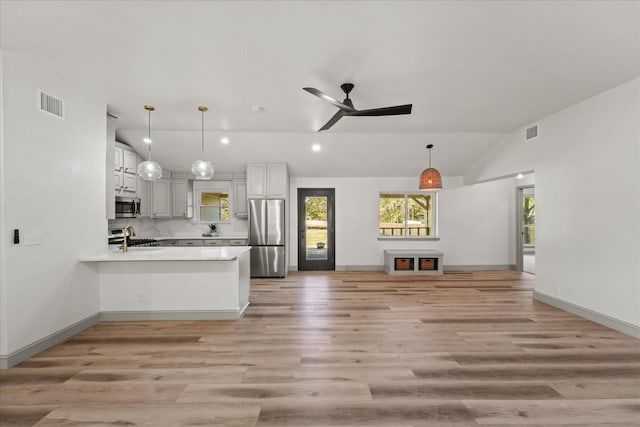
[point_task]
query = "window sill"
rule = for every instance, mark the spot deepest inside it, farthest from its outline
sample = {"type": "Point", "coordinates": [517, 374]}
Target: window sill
{"type": "Point", "coordinates": [409, 239]}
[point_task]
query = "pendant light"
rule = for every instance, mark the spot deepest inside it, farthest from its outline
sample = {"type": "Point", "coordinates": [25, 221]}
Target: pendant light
{"type": "Point", "coordinates": [430, 178]}
{"type": "Point", "coordinates": [202, 169]}
{"type": "Point", "coordinates": [149, 170]}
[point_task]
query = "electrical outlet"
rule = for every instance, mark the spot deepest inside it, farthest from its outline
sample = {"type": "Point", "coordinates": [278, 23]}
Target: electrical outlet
{"type": "Point", "coordinates": [139, 298]}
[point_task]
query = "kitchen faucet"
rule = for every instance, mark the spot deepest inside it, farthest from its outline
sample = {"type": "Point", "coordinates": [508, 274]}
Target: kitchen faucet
{"type": "Point", "coordinates": [124, 234]}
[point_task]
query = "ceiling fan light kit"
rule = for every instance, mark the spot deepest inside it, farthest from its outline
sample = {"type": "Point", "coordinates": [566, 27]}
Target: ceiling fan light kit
{"type": "Point", "coordinates": [202, 169]}
{"type": "Point", "coordinates": [149, 170]}
{"type": "Point", "coordinates": [346, 107]}
{"type": "Point", "coordinates": [430, 178]}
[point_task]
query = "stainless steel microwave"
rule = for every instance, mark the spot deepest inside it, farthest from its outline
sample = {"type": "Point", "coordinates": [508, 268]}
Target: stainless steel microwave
{"type": "Point", "coordinates": [127, 207]}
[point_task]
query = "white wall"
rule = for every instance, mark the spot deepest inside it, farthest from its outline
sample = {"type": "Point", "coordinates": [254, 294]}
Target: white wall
{"type": "Point", "coordinates": [587, 166]}
{"type": "Point", "coordinates": [53, 172]}
{"type": "Point", "coordinates": [476, 223]}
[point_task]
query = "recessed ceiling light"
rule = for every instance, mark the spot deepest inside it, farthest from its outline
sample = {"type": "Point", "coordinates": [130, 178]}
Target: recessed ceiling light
{"type": "Point", "coordinates": [224, 140]}
{"type": "Point", "coordinates": [519, 176]}
{"type": "Point", "coordinates": [257, 108]}
{"type": "Point", "coordinates": [316, 147]}
{"type": "Point", "coordinates": [147, 140]}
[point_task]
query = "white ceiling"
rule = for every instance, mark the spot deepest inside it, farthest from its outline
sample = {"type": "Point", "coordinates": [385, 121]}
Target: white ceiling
{"type": "Point", "coordinates": [473, 71]}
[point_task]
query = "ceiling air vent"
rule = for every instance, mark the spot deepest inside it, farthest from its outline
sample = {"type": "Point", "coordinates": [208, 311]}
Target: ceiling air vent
{"type": "Point", "coordinates": [51, 104]}
{"type": "Point", "coordinates": [531, 133]}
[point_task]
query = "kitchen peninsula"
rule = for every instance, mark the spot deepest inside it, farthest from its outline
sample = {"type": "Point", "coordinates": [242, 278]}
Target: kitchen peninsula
{"type": "Point", "coordinates": [173, 283]}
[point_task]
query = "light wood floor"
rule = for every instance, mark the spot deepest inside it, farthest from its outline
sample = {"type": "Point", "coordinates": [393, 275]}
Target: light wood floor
{"type": "Point", "coordinates": [343, 349]}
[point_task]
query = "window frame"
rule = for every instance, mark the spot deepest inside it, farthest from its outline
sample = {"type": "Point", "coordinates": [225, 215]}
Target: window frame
{"type": "Point", "coordinates": [198, 199]}
{"type": "Point", "coordinates": [406, 194]}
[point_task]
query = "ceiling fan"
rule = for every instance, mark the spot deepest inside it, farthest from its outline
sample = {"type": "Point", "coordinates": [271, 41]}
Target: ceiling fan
{"type": "Point", "coordinates": [347, 109]}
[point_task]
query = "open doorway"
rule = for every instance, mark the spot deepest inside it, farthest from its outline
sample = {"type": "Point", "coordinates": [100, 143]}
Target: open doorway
{"type": "Point", "coordinates": [316, 239]}
{"type": "Point", "coordinates": [526, 244]}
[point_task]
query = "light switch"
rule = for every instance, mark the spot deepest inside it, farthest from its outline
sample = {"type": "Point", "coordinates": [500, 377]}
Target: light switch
{"type": "Point", "coordinates": [32, 237]}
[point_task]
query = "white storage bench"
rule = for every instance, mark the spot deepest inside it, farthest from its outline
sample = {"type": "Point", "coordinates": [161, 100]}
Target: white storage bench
{"type": "Point", "coordinates": [413, 261]}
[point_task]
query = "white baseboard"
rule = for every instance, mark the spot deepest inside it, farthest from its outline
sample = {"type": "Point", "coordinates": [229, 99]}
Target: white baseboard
{"type": "Point", "coordinates": [133, 316]}
{"type": "Point", "coordinates": [359, 267]}
{"type": "Point", "coordinates": [43, 344]}
{"type": "Point", "coordinates": [603, 319]}
{"type": "Point", "coordinates": [500, 267]}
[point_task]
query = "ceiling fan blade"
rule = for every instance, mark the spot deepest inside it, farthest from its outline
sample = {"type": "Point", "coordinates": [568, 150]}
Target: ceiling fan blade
{"type": "Point", "coordinates": [384, 111]}
{"type": "Point", "coordinates": [329, 99]}
{"type": "Point", "coordinates": [333, 120]}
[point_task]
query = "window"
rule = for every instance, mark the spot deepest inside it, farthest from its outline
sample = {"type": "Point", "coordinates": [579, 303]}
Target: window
{"type": "Point", "coordinates": [213, 206]}
{"type": "Point", "coordinates": [407, 215]}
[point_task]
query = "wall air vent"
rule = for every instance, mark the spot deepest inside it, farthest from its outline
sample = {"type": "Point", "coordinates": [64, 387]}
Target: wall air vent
{"type": "Point", "coordinates": [531, 133]}
{"type": "Point", "coordinates": [51, 104]}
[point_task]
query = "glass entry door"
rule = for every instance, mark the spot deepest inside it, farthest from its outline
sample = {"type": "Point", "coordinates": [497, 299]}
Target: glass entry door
{"type": "Point", "coordinates": [316, 239]}
{"type": "Point", "coordinates": [526, 245]}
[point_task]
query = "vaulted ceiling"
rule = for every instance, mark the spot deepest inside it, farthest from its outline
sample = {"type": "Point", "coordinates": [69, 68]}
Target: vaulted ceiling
{"type": "Point", "coordinates": [473, 71]}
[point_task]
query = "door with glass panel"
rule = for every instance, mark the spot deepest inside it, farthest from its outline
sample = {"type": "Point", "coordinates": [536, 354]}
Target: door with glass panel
{"type": "Point", "coordinates": [316, 231]}
{"type": "Point", "coordinates": [526, 244]}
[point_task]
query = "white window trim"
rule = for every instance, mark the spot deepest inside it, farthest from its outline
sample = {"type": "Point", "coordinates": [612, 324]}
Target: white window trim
{"type": "Point", "coordinates": [197, 198]}
{"type": "Point", "coordinates": [434, 208]}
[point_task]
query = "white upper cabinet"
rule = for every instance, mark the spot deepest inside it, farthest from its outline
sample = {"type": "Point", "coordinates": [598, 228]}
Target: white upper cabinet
{"type": "Point", "coordinates": [161, 198]}
{"type": "Point", "coordinates": [125, 166]}
{"type": "Point", "coordinates": [240, 198]}
{"type": "Point", "coordinates": [129, 184]}
{"type": "Point", "coordinates": [130, 162]}
{"type": "Point", "coordinates": [145, 192]}
{"type": "Point", "coordinates": [256, 180]}
{"type": "Point", "coordinates": [267, 180]}
{"type": "Point", "coordinates": [118, 163]}
{"type": "Point", "coordinates": [180, 189]}
{"type": "Point", "coordinates": [118, 183]}
{"type": "Point", "coordinates": [277, 181]}
{"type": "Point", "coordinates": [165, 197]}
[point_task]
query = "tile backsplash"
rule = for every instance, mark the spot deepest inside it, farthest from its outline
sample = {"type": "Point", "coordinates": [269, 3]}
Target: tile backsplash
{"type": "Point", "coordinates": [179, 227]}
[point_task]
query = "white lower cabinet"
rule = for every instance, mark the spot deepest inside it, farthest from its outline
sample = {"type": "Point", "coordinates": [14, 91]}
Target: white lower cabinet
{"type": "Point", "coordinates": [236, 242]}
{"type": "Point", "coordinates": [190, 242]}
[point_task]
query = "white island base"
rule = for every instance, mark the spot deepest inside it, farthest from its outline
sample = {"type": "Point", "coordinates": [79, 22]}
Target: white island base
{"type": "Point", "coordinates": [173, 283]}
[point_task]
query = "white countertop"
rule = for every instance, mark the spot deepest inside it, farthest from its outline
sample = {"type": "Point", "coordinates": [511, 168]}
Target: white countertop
{"type": "Point", "coordinates": [211, 253]}
{"type": "Point", "coordinates": [225, 237]}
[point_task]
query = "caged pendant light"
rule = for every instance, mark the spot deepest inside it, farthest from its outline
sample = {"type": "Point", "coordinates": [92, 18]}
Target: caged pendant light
{"type": "Point", "coordinates": [149, 170]}
{"type": "Point", "coordinates": [430, 178]}
{"type": "Point", "coordinates": [202, 169]}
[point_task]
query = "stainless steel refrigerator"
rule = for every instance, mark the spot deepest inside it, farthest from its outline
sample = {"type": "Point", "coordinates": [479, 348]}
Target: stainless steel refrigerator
{"type": "Point", "coordinates": [267, 237]}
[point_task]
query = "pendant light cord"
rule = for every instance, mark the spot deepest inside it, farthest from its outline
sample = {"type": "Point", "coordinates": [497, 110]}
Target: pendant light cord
{"type": "Point", "coordinates": [149, 134]}
{"type": "Point", "coordinates": [202, 130]}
